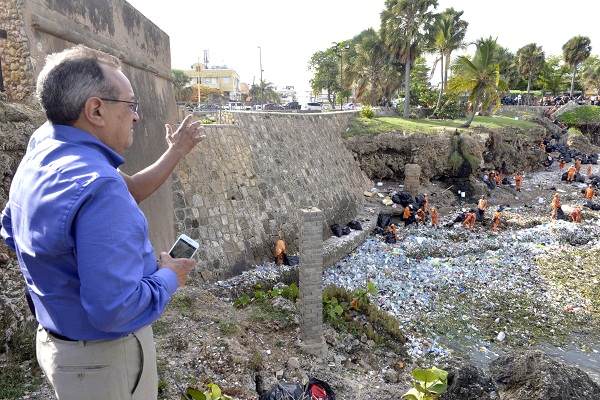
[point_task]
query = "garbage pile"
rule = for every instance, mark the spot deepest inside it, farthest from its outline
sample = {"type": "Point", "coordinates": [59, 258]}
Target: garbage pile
{"type": "Point", "coordinates": [475, 293]}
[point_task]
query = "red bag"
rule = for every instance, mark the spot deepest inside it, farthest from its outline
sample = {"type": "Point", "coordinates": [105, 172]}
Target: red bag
{"type": "Point", "coordinates": [317, 392]}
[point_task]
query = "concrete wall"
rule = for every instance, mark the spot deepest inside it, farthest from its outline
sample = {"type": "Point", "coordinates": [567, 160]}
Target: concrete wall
{"type": "Point", "coordinates": [36, 28]}
{"type": "Point", "coordinates": [243, 188]}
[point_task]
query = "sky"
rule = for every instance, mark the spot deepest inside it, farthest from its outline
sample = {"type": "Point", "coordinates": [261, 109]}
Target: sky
{"type": "Point", "coordinates": [290, 32]}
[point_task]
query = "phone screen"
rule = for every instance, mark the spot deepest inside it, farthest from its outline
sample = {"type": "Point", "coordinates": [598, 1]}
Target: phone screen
{"type": "Point", "coordinates": [182, 249]}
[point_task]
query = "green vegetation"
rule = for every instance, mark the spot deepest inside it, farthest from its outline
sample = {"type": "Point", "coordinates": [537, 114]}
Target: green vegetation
{"type": "Point", "coordinates": [428, 384]}
{"type": "Point", "coordinates": [374, 126]}
{"type": "Point", "coordinates": [227, 328]}
{"type": "Point", "coordinates": [581, 115]}
{"type": "Point", "coordinates": [212, 393]}
{"type": "Point", "coordinates": [367, 112]}
{"type": "Point", "coordinates": [354, 313]}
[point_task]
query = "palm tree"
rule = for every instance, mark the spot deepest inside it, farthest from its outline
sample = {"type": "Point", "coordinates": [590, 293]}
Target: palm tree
{"type": "Point", "coordinates": [480, 77]}
{"type": "Point", "coordinates": [366, 66]}
{"type": "Point", "coordinates": [404, 27]}
{"type": "Point", "coordinates": [576, 50]}
{"type": "Point", "coordinates": [447, 36]}
{"type": "Point", "coordinates": [531, 59]}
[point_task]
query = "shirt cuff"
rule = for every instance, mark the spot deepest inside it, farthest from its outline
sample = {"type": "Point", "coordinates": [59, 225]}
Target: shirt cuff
{"type": "Point", "coordinates": [170, 279]}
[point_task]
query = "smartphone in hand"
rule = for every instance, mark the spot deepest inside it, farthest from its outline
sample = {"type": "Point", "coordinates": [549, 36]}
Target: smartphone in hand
{"type": "Point", "coordinates": [184, 247]}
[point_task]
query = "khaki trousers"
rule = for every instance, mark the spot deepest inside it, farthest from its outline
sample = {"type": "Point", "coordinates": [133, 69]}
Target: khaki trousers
{"type": "Point", "coordinates": [116, 369]}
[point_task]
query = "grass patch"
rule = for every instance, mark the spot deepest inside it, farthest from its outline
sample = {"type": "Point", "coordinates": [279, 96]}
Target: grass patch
{"type": "Point", "coordinates": [14, 382]}
{"type": "Point", "coordinates": [581, 115]}
{"type": "Point", "coordinates": [375, 126]}
{"type": "Point", "coordinates": [265, 313]}
{"type": "Point", "coordinates": [227, 328]}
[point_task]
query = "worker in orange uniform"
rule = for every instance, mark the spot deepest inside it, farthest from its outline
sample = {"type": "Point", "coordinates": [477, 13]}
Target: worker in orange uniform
{"type": "Point", "coordinates": [435, 217]}
{"type": "Point", "coordinates": [482, 205]}
{"type": "Point", "coordinates": [578, 164]}
{"type": "Point", "coordinates": [407, 214]}
{"type": "Point", "coordinates": [421, 216]}
{"type": "Point", "coordinates": [518, 181]}
{"type": "Point", "coordinates": [571, 173]}
{"type": "Point", "coordinates": [425, 203]}
{"type": "Point", "coordinates": [576, 215]}
{"type": "Point", "coordinates": [589, 170]}
{"type": "Point", "coordinates": [561, 164]}
{"type": "Point", "coordinates": [555, 205]}
{"type": "Point", "coordinates": [497, 215]}
{"type": "Point", "coordinates": [589, 192]}
{"type": "Point", "coordinates": [279, 251]}
{"type": "Point", "coordinates": [393, 230]}
{"type": "Point", "coordinates": [469, 221]}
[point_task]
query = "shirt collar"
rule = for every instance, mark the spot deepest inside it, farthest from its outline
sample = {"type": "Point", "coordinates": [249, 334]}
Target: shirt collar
{"type": "Point", "coordinates": [77, 136]}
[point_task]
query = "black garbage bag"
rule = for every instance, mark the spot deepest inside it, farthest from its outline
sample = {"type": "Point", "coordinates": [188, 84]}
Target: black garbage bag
{"type": "Point", "coordinates": [405, 199]}
{"type": "Point", "coordinates": [384, 220]}
{"type": "Point", "coordinates": [346, 231]}
{"type": "Point", "coordinates": [291, 260]}
{"type": "Point", "coordinates": [337, 230]}
{"type": "Point", "coordinates": [314, 389]}
{"type": "Point", "coordinates": [396, 198]}
{"type": "Point", "coordinates": [560, 214]}
{"type": "Point", "coordinates": [284, 391]}
{"type": "Point", "coordinates": [355, 225]}
{"type": "Point", "coordinates": [389, 238]}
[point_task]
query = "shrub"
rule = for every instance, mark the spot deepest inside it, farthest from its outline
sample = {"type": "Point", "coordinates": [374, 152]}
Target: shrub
{"type": "Point", "coordinates": [367, 112]}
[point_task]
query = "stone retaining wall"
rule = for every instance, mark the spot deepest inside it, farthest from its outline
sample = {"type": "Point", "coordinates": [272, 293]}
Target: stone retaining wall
{"type": "Point", "coordinates": [242, 188]}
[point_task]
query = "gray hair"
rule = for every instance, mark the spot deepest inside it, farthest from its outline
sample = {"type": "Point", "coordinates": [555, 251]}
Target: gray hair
{"type": "Point", "coordinates": [70, 78]}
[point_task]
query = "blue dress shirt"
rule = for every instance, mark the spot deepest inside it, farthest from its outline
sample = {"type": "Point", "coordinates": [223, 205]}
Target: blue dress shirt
{"type": "Point", "coordinates": [81, 239]}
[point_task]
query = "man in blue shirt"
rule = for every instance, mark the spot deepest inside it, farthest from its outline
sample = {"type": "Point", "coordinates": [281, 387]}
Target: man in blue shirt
{"type": "Point", "coordinates": [80, 238]}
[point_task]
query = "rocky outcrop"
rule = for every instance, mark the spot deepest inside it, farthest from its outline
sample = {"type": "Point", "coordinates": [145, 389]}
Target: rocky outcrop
{"type": "Point", "coordinates": [447, 154]}
{"type": "Point", "coordinates": [535, 375]}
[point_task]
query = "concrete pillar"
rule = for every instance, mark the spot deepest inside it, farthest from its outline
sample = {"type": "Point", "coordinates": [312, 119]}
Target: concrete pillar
{"type": "Point", "coordinates": [412, 173]}
{"type": "Point", "coordinates": [311, 282]}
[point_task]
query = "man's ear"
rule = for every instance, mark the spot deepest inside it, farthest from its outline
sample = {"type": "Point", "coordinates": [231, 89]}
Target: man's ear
{"type": "Point", "coordinates": [94, 111]}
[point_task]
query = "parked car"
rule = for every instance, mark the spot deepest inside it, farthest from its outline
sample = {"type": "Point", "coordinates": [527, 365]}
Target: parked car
{"type": "Point", "coordinates": [292, 105]}
{"type": "Point", "coordinates": [314, 106]}
{"type": "Point", "coordinates": [209, 107]}
{"type": "Point", "coordinates": [352, 106]}
{"type": "Point", "coordinates": [273, 106]}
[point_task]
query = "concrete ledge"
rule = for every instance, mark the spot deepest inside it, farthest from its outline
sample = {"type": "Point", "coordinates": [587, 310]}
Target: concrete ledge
{"type": "Point", "coordinates": [335, 248]}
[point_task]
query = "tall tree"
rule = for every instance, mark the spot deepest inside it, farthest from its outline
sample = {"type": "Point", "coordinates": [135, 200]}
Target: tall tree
{"type": "Point", "coordinates": [404, 28]}
{"type": "Point", "coordinates": [366, 67]}
{"type": "Point", "coordinates": [447, 35]}
{"type": "Point", "coordinates": [479, 77]}
{"type": "Point", "coordinates": [531, 59]}
{"type": "Point", "coordinates": [326, 77]}
{"type": "Point", "coordinates": [591, 73]}
{"type": "Point", "coordinates": [576, 50]}
{"type": "Point", "coordinates": [553, 76]}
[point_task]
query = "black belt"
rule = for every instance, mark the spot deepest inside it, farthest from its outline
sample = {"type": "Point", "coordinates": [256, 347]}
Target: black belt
{"type": "Point", "coordinates": [60, 337]}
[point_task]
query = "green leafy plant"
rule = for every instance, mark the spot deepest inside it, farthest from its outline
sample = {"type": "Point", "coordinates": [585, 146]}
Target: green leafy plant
{"type": "Point", "coordinates": [428, 384]}
{"type": "Point", "coordinates": [332, 308]}
{"type": "Point", "coordinates": [367, 112]}
{"type": "Point", "coordinates": [212, 393]}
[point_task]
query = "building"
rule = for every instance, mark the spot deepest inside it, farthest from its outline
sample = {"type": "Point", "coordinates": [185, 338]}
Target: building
{"type": "Point", "coordinates": [226, 80]}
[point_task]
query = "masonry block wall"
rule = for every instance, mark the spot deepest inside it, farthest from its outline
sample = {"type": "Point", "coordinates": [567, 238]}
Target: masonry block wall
{"type": "Point", "coordinates": [310, 280]}
{"type": "Point", "coordinates": [242, 188]}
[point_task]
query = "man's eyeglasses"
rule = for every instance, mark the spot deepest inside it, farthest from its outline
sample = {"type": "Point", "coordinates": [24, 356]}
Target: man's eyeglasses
{"type": "Point", "coordinates": [132, 104]}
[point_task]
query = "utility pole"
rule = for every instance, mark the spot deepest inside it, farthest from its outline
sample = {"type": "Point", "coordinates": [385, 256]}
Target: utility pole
{"type": "Point", "coordinates": [262, 86]}
{"type": "Point", "coordinates": [199, 68]}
